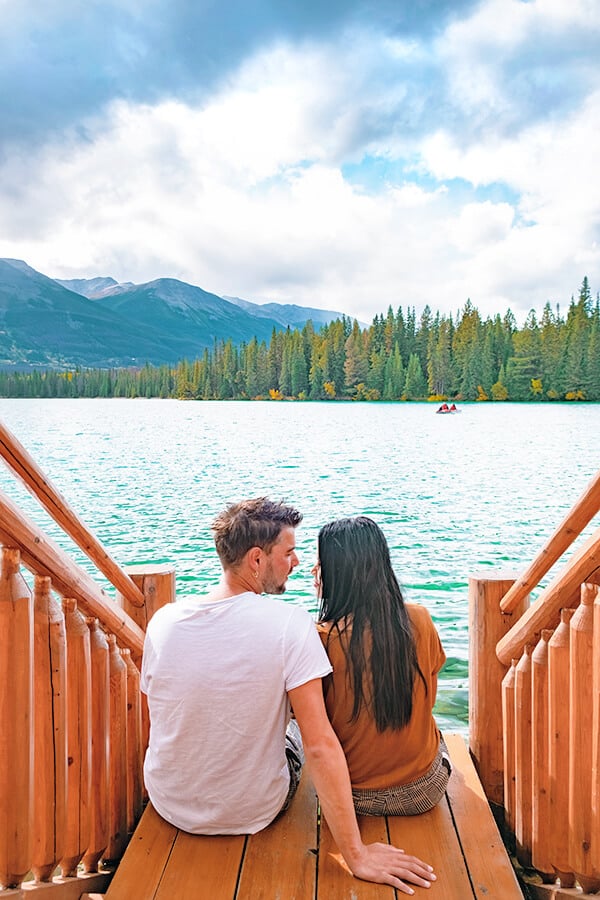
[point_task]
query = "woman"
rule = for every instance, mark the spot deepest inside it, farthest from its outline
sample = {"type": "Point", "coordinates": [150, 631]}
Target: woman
{"type": "Point", "coordinates": [385, 656]}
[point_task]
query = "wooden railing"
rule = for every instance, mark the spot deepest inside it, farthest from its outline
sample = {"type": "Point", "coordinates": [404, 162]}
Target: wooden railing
{"type": "Point", "coordinates": [74, 723]}
{"type": "Point", "coordinates": [535, 731]}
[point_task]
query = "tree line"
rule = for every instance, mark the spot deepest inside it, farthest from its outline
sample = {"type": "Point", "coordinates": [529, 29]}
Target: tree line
{"type": "Point", "coordinates": [397, 357]}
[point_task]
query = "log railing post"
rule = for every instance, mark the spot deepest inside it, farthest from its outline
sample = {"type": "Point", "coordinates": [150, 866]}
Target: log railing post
{"type": "Point", "coordinates": [118, 754]}
{"type": "Point", "coordinates": [508, 720]}
{"type": "Point", "coordinates": [79, 695]}
{"type": "Point", "coordinates": [16, 732]}
{"type": "Point", "coordinates": [541, 823]}
{"type": "Point", "coordinates": [135, 758]}
{"type": "Point", "coordinates": [100, 747]}
{"type": "Point", "coordinates": [558, 750]}
{"type": "Point", "coordinates": [487, 625]}
{"type": "Point", "coordinates": [581, 743]}
{"type": "Point", "coordinates": [50, 727]}
{"type": "Point", "coordinates": [523, 777]}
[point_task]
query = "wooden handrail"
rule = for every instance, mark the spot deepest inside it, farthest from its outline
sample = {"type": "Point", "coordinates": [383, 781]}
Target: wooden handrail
{"type": "Point", "coordinates": [21, 463]}
{"type": "Point", "coordinates": [580, 515]}
{"type": "Point", "coordinates": [43, 557]}
{"type": "Point", "coordinates": [563, 591]}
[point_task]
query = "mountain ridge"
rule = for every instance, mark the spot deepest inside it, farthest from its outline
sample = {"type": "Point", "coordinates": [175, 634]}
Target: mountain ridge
{"type": "Point", "coordinates": [100, 322]}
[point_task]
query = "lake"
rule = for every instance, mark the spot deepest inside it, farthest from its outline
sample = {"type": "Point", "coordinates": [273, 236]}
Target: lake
{"type": "Point", "coordinates": [454, 494]}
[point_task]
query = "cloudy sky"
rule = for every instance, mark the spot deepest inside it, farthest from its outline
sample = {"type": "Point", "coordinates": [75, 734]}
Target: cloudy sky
{"type": "Point", "coordinates": [339, 154]}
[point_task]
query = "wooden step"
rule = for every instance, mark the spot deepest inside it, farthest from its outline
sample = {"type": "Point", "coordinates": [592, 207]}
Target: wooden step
{"type": "Point", "coordinates": [295, 858]}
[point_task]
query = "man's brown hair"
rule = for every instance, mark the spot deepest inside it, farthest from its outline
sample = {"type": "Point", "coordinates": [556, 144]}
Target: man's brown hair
{"type": "Point", "coordinates": [251, 523]}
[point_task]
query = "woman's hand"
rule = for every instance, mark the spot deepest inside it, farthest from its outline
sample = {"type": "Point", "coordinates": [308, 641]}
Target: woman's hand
{"type": "Point", "coordinates": [386, 864]}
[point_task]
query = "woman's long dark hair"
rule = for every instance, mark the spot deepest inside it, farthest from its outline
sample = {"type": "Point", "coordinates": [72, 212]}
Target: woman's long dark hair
{"type": "Point", "coordinates": [360, 589]}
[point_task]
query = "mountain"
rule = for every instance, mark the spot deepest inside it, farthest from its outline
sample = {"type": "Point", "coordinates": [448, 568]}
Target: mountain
{"type": "Point", "coordinates": [189, 317]}
{"type": "Point", "coordinates": [44, 324]}
{"type": "Point", "coordinates": [287, 313]}
{"type": "Point", "coordinates": [99, 322]}
{"type": "Point", "coordinates": [92, 288]}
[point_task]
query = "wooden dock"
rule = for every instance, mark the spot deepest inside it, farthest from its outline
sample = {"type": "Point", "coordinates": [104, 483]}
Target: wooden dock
{"type": "Point", "coordinates": [295, 858]}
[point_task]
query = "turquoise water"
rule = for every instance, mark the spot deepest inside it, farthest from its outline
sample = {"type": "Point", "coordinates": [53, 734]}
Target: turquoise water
{"type": "Point", "coordinates": [453, 494]}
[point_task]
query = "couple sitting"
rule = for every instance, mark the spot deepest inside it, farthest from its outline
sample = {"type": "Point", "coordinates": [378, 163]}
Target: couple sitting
{"type": "Point", "coordinates": [221, 673]}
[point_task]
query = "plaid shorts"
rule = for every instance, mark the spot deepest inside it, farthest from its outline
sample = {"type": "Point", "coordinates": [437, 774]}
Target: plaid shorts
{"type": "Point", "coordinates": [407, 799]}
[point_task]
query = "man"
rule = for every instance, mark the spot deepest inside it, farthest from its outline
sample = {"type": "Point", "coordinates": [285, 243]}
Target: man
{"type": "Point", "coordinates": [220, 674]}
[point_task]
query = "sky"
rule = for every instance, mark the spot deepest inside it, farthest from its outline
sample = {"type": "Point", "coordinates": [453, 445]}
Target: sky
{"type": "Point", "coordinates": [345, 155]}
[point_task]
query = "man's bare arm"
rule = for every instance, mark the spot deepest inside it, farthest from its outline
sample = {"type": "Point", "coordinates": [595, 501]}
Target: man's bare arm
{"type": "Point", "coordinates": [327, 767]}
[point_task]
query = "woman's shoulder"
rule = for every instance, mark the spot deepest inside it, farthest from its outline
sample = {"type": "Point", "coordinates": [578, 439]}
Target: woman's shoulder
{"type": "Point", "coordinates": [419, 615]}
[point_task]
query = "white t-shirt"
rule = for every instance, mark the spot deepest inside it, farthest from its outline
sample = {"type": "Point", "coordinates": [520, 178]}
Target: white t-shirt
{"type": "Point", "coordinates": [216, 677]}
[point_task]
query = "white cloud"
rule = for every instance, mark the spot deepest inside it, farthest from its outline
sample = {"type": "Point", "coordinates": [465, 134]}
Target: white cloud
{"type": "Point", "coordinates": [245, 194]}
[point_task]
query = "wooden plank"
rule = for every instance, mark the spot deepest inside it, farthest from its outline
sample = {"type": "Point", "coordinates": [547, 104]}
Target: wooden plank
{"type": "Point", "coordinates": [141, 868]}
{"type": "Point", "coordinates": [205, 867]}
{"type": "Point", "coordinates": [335, 882]}
{"type": "Point", "coordinates": [431, 837]}
{"type": "Point", "coordinates": [281, 861]}
{"type": "Point", "coordinates": [489, 866]}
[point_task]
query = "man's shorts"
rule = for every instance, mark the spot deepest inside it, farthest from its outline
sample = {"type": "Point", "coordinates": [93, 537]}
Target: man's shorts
{"type": "Point", "coordinates": [294, 752]}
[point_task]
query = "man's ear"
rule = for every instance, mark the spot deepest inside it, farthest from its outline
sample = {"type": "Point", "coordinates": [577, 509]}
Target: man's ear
{"type": "Point", "coordinates": [253, 557]}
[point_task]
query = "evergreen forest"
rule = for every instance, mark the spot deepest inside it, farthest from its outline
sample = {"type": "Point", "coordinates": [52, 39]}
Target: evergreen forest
{"type": "Point", "coordinates": [555, 357]}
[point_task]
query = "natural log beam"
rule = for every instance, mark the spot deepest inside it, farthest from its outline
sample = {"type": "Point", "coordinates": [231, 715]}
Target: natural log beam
{"type": "Point", "coordinates": [582, 513]}
{"type": "Point", "coordinates": [24, 466]}
{"type": "Point", "coordinates": [43, 557]}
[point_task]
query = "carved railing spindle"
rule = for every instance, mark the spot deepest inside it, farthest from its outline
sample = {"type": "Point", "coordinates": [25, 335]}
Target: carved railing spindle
{"type": "Point", "coordinates": [135, 757]}
{"type": "Point", "coordinates": [541, 824]}
{"type": "Point", "coordinates": [558, 749]}
{"type": "Point", "coordinates": [523, 823]}
{"type": "Point", "coordinates": [100, 747]}
{"type": "Point", "coordinates": [508, 719]}
{"type": "Point", "coordinates": [581, 744]}
{"type": "Point", "coordinates": [79, 737]}
{"type": "Point", "coordinates": [117, 819]}
{"type": "Point", "coordinates": [16, 733]}
{"type": "Point", "coordinates": [50, 730]}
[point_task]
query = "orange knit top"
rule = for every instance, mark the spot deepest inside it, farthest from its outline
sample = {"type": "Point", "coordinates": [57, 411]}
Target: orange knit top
{"type": "Point", "coordinates": [393, 757]}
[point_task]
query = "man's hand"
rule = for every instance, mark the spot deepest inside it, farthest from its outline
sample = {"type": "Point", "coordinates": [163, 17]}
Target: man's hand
{"type": "Point", "coordinates": [386, 864]}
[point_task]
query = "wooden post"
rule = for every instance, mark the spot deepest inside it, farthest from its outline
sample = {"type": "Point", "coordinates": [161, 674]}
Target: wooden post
{"type": "Point", "coordinates": [79, 691]}
{"type": "Point", "coordinates": [117, 819]}
{"type": "Point", "coordinates": [135, 756]}
{"type": "Point", "coordinates": [157, 584]}
{"type": "Point", "coordinates": [541, 822]}
{"type": "Point", "coordinates": [16, 733]}
{"type": "Point", "coordinates": [50, 705]}
{"type": "Point", "coordinates": [580, 742]}
{"type": "Point", "coordinates": [508, 722]}
{"type": "Point", "coordinates": [558, 749]}
{"type": "Point", "coordinates": [523, 777]}
{"type": "Point", "coordinates": [100, 747]}
{"type": "Point", "coordinates": [487, 625]}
